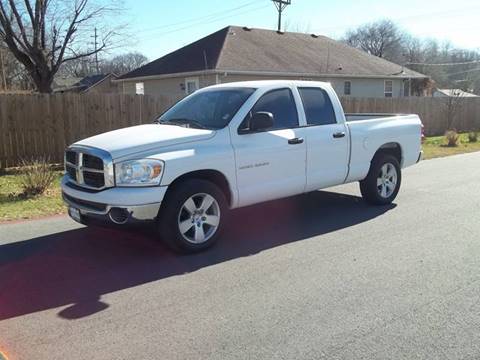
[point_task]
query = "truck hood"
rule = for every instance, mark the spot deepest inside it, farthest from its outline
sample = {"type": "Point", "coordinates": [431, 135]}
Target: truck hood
{"type": "Point", "coordinates": [141, 138]}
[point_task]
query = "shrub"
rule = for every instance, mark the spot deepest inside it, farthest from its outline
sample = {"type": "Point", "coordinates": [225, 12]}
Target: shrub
{"type": "Point", "coordinates": [37, 176]}
{"type": "Point", "coordinates": [472, 136]}
{"type": "Point", "coordinates": [452, 138]}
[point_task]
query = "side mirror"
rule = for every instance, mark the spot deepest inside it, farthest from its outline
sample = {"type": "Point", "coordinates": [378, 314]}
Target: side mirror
{"type": "Point", "coordinates": [261, 120]}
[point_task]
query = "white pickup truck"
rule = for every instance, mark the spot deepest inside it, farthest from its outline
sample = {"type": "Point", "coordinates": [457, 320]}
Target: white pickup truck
{"type": "Point", "coordinates": [233, 145]}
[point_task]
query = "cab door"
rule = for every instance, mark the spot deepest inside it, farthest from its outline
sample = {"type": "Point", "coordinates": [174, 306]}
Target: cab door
{"type": "Point", "coordinates": [271, 164]}
{"type": "Point", "coordinates": [328, 141]}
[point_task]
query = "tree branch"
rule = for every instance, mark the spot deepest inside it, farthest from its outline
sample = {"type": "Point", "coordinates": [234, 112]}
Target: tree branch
{"type": "Point", "coordinates": [90, 53]}
{"type": "Point", "coordinates": [30, 11]}
{"type": "Point", "coordinates": [19, 23]}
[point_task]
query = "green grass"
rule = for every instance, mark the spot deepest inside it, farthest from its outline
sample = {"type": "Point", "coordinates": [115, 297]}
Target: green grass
{"type": "Point", "coordinates": [435, 146]}
{"type": "Point", "coordinates": [15, 206]}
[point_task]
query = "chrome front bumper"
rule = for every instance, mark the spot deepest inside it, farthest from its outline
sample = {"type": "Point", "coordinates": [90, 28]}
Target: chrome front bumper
{"type": "Point", "coordinates": [134, 204]}
{"type": "Point", "coordinates": [147, 212]}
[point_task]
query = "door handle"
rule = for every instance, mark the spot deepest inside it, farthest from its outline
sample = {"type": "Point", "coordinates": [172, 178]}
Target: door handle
{"type": "Point", "coordinates": [295, 141]}
{"type": "Point", "coordinates": [339, 134]}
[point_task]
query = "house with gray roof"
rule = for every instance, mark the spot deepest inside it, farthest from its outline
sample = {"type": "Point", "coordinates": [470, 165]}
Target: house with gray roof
{"type": "Point", "coordinates": [240, 53]}
{"type": "Point", "coordinates": [101, 83]}
{"type": "Point", "coordinates": [452, 93]}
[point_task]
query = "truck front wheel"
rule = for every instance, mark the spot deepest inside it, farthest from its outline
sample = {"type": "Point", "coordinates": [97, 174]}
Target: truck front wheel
{"type": "Point", "coordinates": [192, 215]}
{"type": "Point", "coordinates": [382, 183]}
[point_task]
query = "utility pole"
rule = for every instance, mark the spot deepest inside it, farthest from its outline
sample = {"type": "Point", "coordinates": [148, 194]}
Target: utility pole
{"type": "Point", "coordinates": [2, 64]}
{"type": "Point", "coordinates": [96, 53]}
{"type": "Point", "coordinates": [281, 5]}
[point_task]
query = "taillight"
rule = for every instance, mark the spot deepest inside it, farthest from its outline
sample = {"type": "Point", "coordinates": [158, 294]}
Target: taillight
{"type": "Point", "coordinates": [423, 134]}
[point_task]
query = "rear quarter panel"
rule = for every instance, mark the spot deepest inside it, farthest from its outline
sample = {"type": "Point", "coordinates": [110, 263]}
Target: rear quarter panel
{"type": "Point", "coordinates": [368, 136]}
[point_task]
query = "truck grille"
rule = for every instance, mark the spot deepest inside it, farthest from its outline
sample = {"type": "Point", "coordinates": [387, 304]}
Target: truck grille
{"type": "Point", "coordinates": [96, 180]}
{"type": "Point", "coordinates": [71, 157]}
{"type": "Point", "coordinates": [71, 171]}
{"type": "Point", "coordinates": [89, 168]}
{"type": "Point", "coordinates": [92, 162]}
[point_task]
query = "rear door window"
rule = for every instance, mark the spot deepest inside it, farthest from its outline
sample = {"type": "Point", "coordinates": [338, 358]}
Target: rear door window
{"type": "Point", "coordinates": [318, 106]}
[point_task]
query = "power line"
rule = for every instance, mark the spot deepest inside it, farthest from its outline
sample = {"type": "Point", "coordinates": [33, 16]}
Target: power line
{"type": "Point", "coordinates": [463, 72]}
{"type": "Point", "coordinates": [445, 64]}
{"type": "Point", "coordinates": [210, 21]}
{"type": "Point", "coordinates": [201, 18]}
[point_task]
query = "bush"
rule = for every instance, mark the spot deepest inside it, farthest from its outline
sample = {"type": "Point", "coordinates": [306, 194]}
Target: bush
{"type": "Point", "coordinates": [472, 136]}
{"type": "Point", "coordinates": [37, 176]}
{"type": "Point", "coordinates": [452, 138]}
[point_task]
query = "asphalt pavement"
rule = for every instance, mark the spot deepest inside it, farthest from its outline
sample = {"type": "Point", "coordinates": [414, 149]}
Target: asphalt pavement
{"type": "Point", "coordinates": [319, 276]}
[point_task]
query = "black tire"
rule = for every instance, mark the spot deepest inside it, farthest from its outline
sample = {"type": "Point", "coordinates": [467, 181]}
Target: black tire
{"type": "Point", "coordinates": [168, 219]}
{"type": "Point", "coordinates": [368, 187]}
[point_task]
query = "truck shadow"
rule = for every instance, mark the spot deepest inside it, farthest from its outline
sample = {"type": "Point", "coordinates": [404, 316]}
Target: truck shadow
{"type": "Point", "coordinates": [77, 267]}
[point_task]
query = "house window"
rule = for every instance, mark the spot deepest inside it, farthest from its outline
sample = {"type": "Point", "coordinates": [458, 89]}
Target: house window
{"type": "Point", "coordinates": [191, 85]}
{"type": "Point", "coordinates": [139, 89]}
{"type": "Point", "coordinates": [388, 90]}
{"type": "Point", "coordinates": [347, 88]}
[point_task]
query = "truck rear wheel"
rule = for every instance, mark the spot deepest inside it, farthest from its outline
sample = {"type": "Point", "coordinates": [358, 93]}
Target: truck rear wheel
{"type": "Point", "coordinates": [382, 183]}
{"type": "Point", "coordinates": [192, 216]}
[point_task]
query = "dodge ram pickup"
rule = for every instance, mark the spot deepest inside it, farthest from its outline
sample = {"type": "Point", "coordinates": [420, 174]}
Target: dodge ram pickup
{"type": "Point", "coordinates": [232, 145]}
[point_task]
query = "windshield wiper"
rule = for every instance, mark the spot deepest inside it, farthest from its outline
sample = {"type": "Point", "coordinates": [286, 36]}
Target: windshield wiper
{"type": "Point", "coordinates": [183, 122]}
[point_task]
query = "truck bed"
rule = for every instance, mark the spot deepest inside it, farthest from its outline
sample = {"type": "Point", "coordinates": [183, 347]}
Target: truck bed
{"type": "Point", "coordinates": [371, 116]}
{"type": "Point", "coordinates": [369, 132]}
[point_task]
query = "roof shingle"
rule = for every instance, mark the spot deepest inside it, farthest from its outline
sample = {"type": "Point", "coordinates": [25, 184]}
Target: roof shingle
{"type": "Point", "coordinates": [265, 51]}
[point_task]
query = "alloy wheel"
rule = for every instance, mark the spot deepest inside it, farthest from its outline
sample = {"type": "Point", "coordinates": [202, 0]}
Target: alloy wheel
{"type": "Point", "coordinates": [387, 180]}
{"type": "Point", "coordinates": [199, 218]}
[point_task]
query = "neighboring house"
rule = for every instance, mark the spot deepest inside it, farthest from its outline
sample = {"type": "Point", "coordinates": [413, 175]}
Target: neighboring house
{"type": "Point", "coordinates": [452, 93]}
{"type": "Point", "coordinates": [90, 84]}
{"type": "Point", "coordinates": [61, 83]}
{"type": "Point", "coordinates": [238, 54]}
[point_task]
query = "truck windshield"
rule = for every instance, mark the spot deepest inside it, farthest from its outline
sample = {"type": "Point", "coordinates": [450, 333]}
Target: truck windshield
{"type": "Point", "coordinates": [211, 109]}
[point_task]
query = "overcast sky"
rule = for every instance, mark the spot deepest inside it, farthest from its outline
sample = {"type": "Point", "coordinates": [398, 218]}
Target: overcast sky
{"type": "Point", "coordinates": [161, 26]}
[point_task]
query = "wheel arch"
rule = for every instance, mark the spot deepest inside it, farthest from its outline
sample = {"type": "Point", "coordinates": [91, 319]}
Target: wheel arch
{"type": "Point", "coordinates": [214, 176]}
{"type": "Point", "coordinates": [391, 148]}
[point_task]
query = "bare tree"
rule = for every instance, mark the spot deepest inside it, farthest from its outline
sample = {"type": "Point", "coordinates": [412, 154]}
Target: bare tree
{"type": "Point", "coordinates": [298, 27]}
{"type": "Point", "coordinates": [44, 34]}
{"type": "Point", "coordinates": [452, 106]}
{"type": "Point", "coordinates": [382, 38]}
{"type": "Point", "coordinates": [119, 64]}
{"type": "Point", "coordinates": [448, 66]}
{"type": "Point", "coordinates": [78, 68]}
{"type": "Point", "coordinates": [124, 63]}
{"type": "Point", "coordinates": [12, 74]}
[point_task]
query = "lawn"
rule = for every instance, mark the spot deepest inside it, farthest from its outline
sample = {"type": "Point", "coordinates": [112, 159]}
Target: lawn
{"type": "Point", "coordinates": [435, 146]}
{"type": "Point", "coordinates": [14, 206]}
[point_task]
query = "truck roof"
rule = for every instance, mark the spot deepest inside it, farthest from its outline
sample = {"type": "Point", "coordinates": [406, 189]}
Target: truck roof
{"type": "Point", "coordinates": [269, 83]}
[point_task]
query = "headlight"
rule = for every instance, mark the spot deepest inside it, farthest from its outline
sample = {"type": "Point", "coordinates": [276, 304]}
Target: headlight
{"type": "Point", "coordinates": [144, 172]}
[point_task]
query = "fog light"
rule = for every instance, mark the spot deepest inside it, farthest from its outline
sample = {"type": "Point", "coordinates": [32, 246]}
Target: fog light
{"type": "Point", "coordinates": [118, 215]}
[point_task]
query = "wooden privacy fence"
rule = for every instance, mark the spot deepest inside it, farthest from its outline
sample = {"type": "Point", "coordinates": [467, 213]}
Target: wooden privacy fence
{"type": "Point", "coordinates": [435, 113]}
{"type": "Point", "coordinates": [43, 125]}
